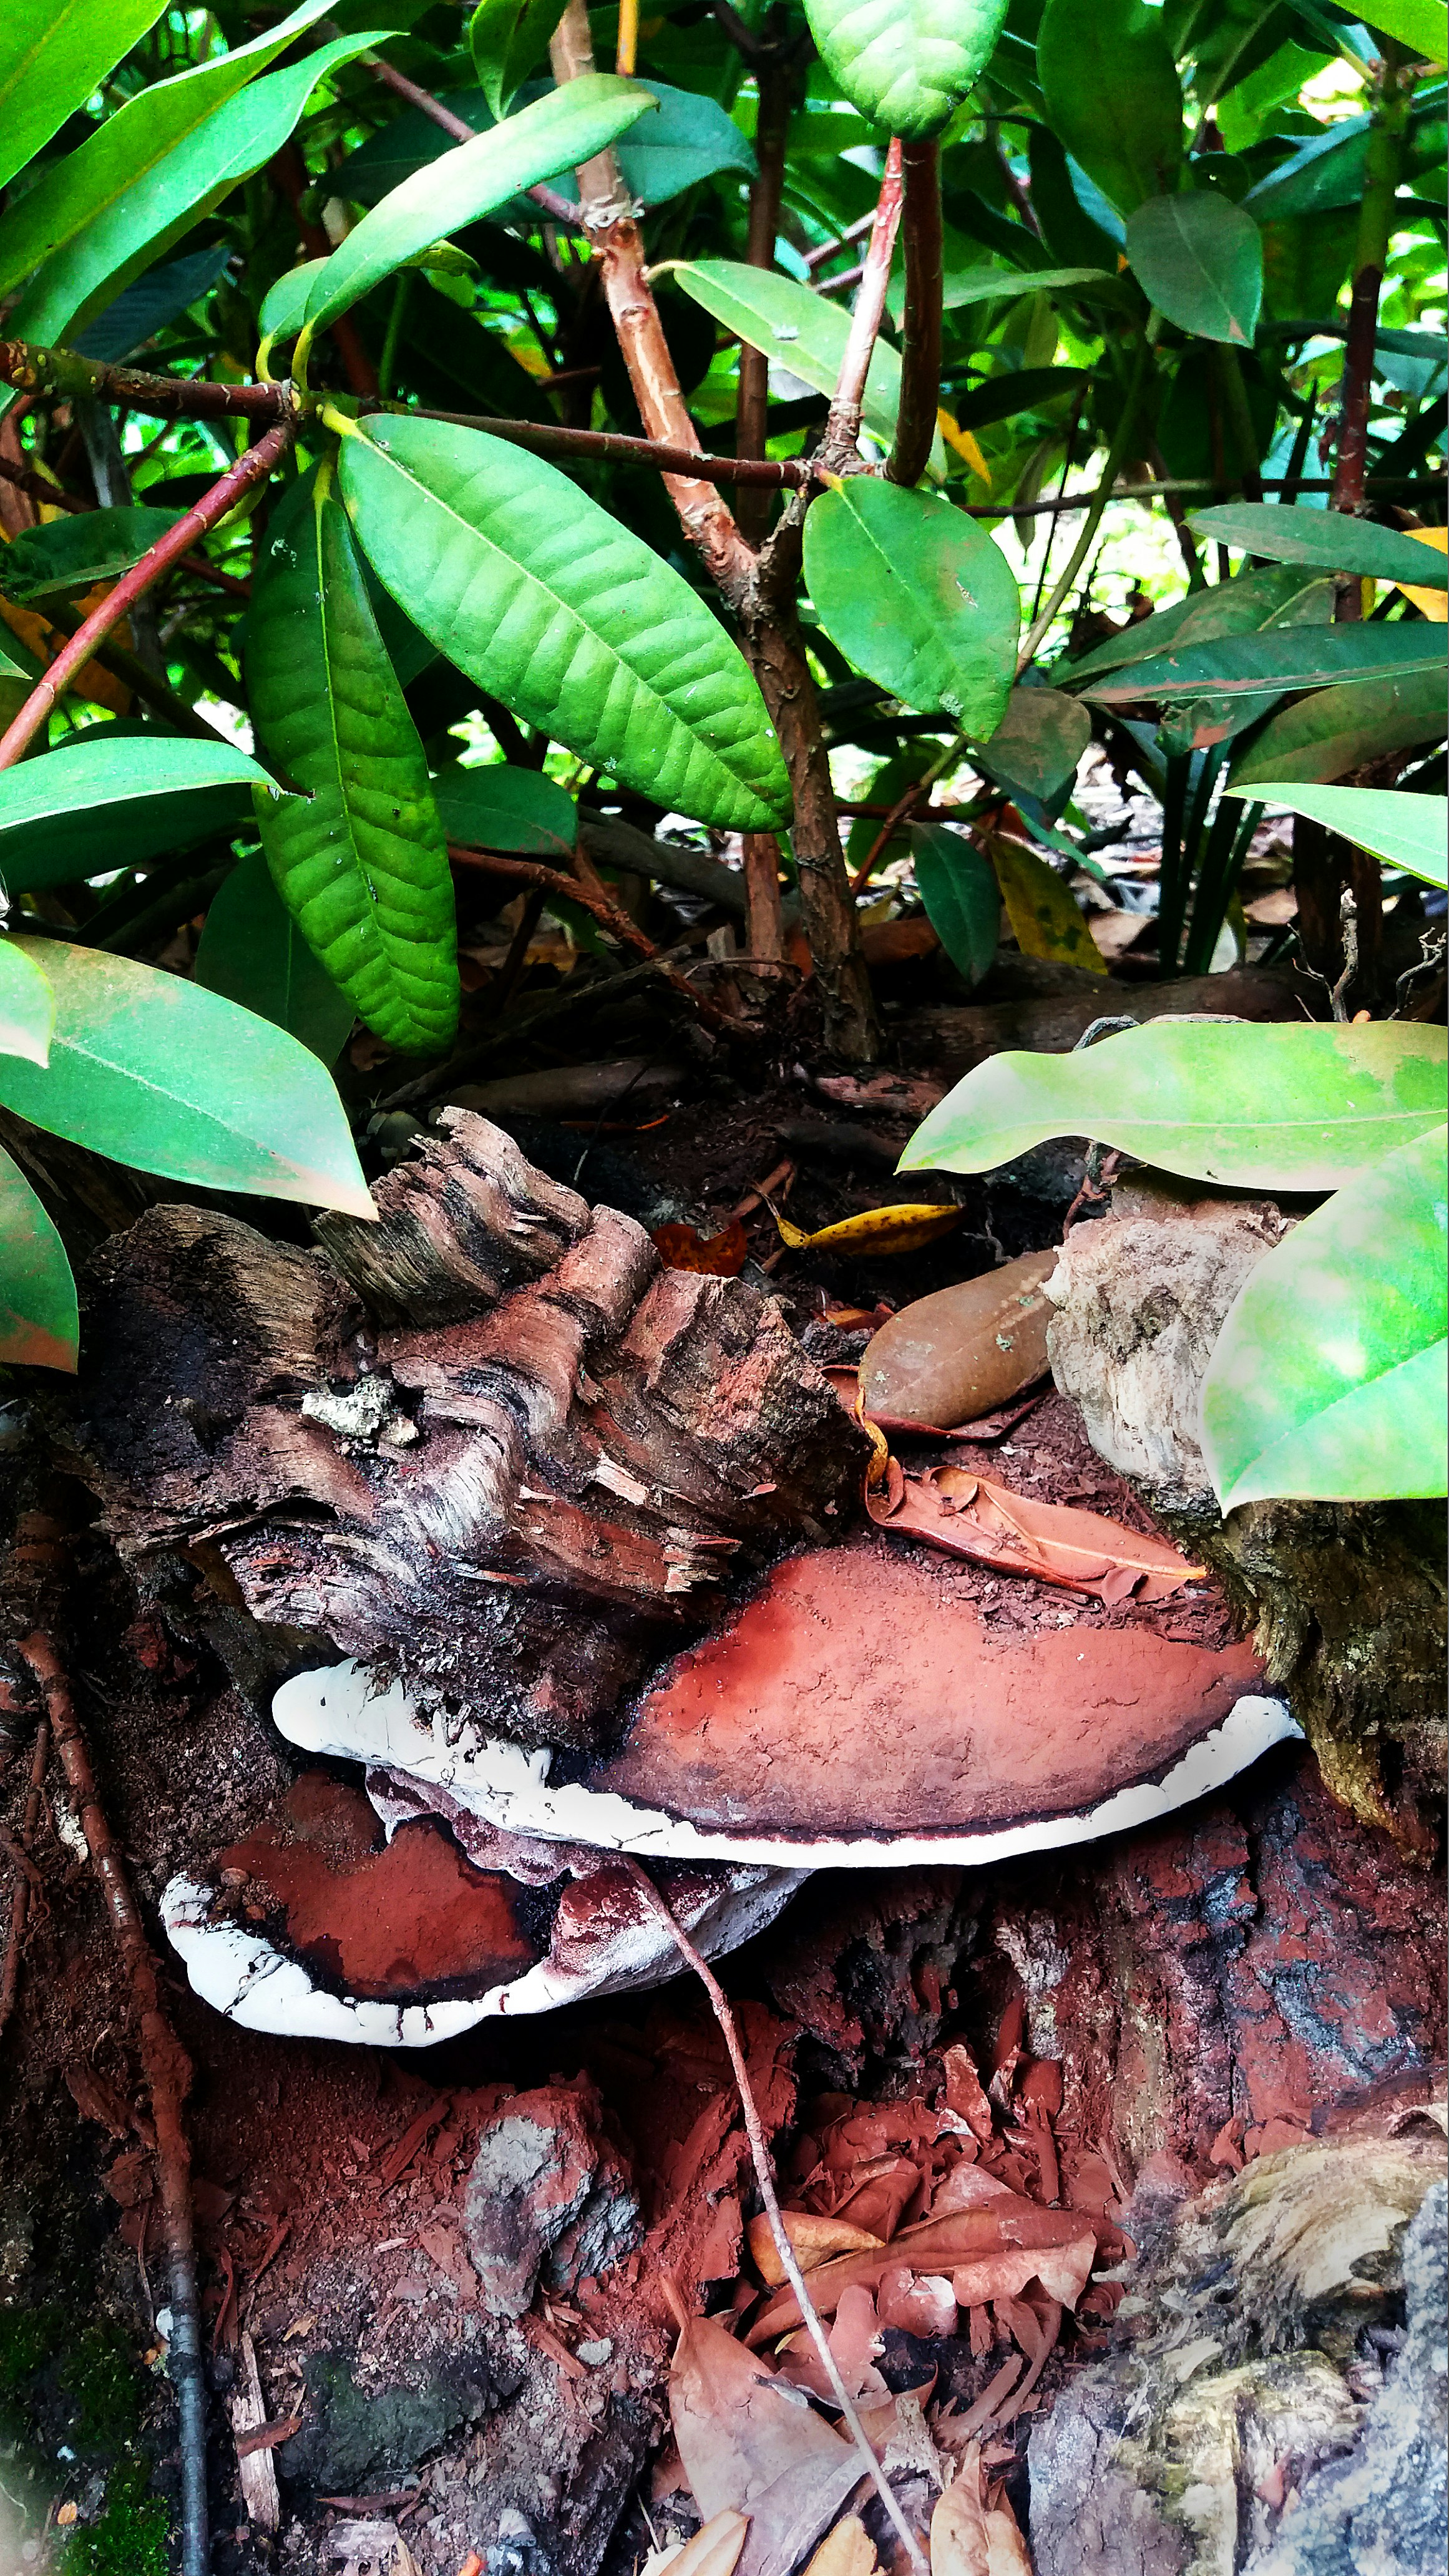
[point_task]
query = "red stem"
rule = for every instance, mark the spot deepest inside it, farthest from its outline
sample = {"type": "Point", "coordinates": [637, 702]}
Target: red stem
{"type": "Point", "coordinates": [252, 468]}
{"type": "Point", "coordinates": [921, 352]}
{"type": "Point", "coordinates": [843, 426]}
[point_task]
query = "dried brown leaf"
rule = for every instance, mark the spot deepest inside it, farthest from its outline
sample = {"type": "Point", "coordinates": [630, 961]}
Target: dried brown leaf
{"type": "Point", "coordinates": [959, 2542]}
{"type": "Point", "coordinates": [1026, 2241]}
{"type": "Point", "coordinates": [814, 2240]}
{"type": "Point", "coordinates": [751, 2444]}
{"type": "Point", "coordinates": [846, 2551]}
{"type": "Point", "coordinates": [715, 2548]}
{"type": "Point", "coordinates": [971, 1516]}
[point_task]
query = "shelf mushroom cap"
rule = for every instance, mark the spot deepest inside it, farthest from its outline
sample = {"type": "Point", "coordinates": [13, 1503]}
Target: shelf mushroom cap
{"type": "Point", "coordinates": [856, 1710]}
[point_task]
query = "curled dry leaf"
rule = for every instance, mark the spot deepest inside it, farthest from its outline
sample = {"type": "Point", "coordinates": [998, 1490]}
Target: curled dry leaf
{"type": "Point", "coordinates": [715, 2548]}
{"type": "Point", "coordinates": [846, 2551]}
{"type": "Point", "coordinates": [814, 2241]}
{"type": "Point", "coordinates": [963, 1352]}
{"type": "Point", "coordinates": [971, 1516]}
{"type": "Point", "coordinates": [854, 2344]}
{"type": "Point", "coordinates": [959, 2542]}
{"type": "Point", "coordinates": [989, 2253]}
{"type": "Point", "coordinates": [875, 1230]}
{"type": "Point", "coordinates": [918, 2303]}
{"type": "Point", "coordinates": [720, 1256]}
{"type": "Point", "coordinates": [752, 2444]}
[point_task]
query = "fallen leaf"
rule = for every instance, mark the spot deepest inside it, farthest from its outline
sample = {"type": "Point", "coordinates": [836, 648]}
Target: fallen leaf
{"type": "Point", "coordinates": [719, 1256]}
{"type": "Point", "coordinates": [812, 2241]}
{"type": "Point", "coordinates": [959, 2544]}
{"type": "Point", "coordinates": [881, 2197]}
{"type": "Point", "coordinates": [917, 2303]}
{"type": "Point", "coordinates": [752, 2444]}
{"type": "Point", "coordinates": [964, 2092]}
{"type": "Point", "coordinates": [1006, 2551]}
{"type": "Point", "coordinates": [971, 1516]}
{"type": "Point", "coordinates": [875, 1230]}
{"type": "Point", "coordinates": [68, 2514]}
{"type": "Point", "coordinates": [715, 2548]}
{"type": "Point", "coordinates": [1011, 2247]}
{"type": "Point", "coordinates": [847, 2551]}
{"type": "Point", "coordinates": [965, 1350]}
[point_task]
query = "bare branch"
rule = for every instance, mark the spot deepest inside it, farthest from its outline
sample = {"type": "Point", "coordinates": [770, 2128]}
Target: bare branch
{"type": "Point", "coordinates": [921, 350]}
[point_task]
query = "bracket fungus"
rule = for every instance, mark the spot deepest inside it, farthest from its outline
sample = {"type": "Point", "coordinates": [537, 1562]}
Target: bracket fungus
{"type": "Point", "coordinates": [588, 1535]}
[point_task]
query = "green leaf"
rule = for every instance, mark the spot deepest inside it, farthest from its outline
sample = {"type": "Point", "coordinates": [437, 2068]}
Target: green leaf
{"type": "Point", "coordinates": [1330, 539]}
{"type": "Point", "coordinates": [39, 1322]}
{"type": "Point", "coordinates": [547, 601]}
{"type": "Point", "coordinates": [1293, 1108]}
{"type": "Point", "coordinates": [800, 330]}
{"type": "Point", "coordinates": [496, 808]}
{"type": "Point", "coordinates": [1014, 390]}
{"type": "Point", "coordinates": [1038, 743]}
{"type": "Point", "coordinates": [1328, 1376]}
{"type": "Point", "coordinates": [284, 306]}
{"type": "Point", "coordinates": [1301, 658]}
{"type": "Point", "coordinates": [1249, 605]}
{"type": "Point", "coordinates": [252, 952]}
{"type": "Point", "coordinates": [1336, 730]}
{"type": "Point", "coordinates": [361, 864]}
{"type": "Point", "coordinates": [157, 1073]}
{"type": "Point", "coordinates": [1325, 173]}
{"type": "Point", "coordinates": [1199, 259]}
{"type": "Point", "coordinates": [508, 39]}
{"type": "Point", "coordinates": [566, 127]}
{"type": "Point", "coordinates": [906, 64]}
{"type": "Point", "coordinates": [916, 596]}
{"type": "Point", "coordinates": [986, 285]}
{"type": "Point", "coordinates": [1112, 94]}
{"type": "Point", "coordinates": [100, 804]}
{"type": "Point", "coordinates": [27, 1006]}
{"type": "Point", "coordinates": [1421, 25]}
{"type": "Point", "coordinates": [961, 896]}
{"type": "Point", "coordinates": [72, 554]}
{"type": "Point", "coordinates": [690, 139]}
{"type": "Point", "coordinates": [53, 54]}
{"type": "Point", "coordinates": [161, 296]}
{"type": "Point", "coordinates": [151, 173]}
{"type": "Point", "coordinates": [1404, 830]}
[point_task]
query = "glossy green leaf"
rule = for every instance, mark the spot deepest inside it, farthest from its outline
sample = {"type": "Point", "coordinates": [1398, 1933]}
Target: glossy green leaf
{"type": "Point", "coordinates": [916, 596]}
{"type": "Point", "coordinates": [497, 808]}
{"type": "Point", "coordinates": [102, 804]}
{"type": "Point", "coordinates": [800, 330]}
{"type": "Point", "coordinates": [1112, 94]}
{"type": "Point", "coordinates": [72, 554]}
{"type": "Point", "coordinates": [687, 139]}
{"type": "Point", "coordinates": [1324, 173]}
{"type": "Point", "coordinates": [568, 126]}
{"type": "Point", "coordinates": [1329, 539]}
{"type": "Point", "coordinates": [155, 1072]}
{"type": "Point", "coordinates": [284, 306]}
{"type": "Point", "coordinates": [987, 285]}
{"type": "Point", "coordinates": [1199, 259]}
{"type": "Point", "coordinates": [1293, 1108]}
{"type": "Point", "coordinates": [958, 887]}
{"type": "Point", "coordinates": [1328, 1377]}
{"type": "Point", "coordinates": [1402, 829]}
{"type": "Point", "coordinates": [1301, 658]}
{"type": "Point", "coordinates": [1275, 595]}
{"type": "Point", "coordinates": [89, 186]}
{"type": "Point", "coordinates": [151, 172]}
{"type": "Point", "coordinates": [53, 54]}
{"type": "Point", "coordinates": [1038, 743]}
{"type": "Point", "coordinates": [27, 1005]}
{"type": "Point", "coordinates": [544, 599]}
{"type": "Point", "coordinates": [361, 864]}
{"type": "Point", "coordinates": [508, 39]}
{"type": "Point", "coordinates": [39, 1321]}
{"type": "Point", "coordinates": [1421, 25]}
{"type": "Point", "coordinates": [1335, 730]}
{"type": "Point", "coordinates": [252, 952]}
{"type": "Point", "coordinates": [906, 64]}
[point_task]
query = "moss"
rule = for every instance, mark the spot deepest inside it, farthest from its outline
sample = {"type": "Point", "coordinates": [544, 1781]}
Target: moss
{"type": "Point", "coordinates": [130, 2537]}
{"type": "Point", "coordinates": [99, 2374]}
{"type": "Point", "coordinates": [28, 2337]}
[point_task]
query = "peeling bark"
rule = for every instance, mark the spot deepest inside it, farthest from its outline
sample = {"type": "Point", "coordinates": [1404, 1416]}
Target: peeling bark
{"type": "Point", "coordinates": [487, 1444]}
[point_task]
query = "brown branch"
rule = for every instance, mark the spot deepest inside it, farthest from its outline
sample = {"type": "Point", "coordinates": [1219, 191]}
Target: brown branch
{"type": "Point", "coordinates": [618, 243]}
{"type": "Point", "coordinates": [63, 375]}
{"type": "Point", "coordinates": [552, 438]}
{"type": "Point", "coordinates": [828, 250]}
{"type": "Point", "coordinates": [764, 909]}
{"type": "Point", "coordinates": [842, 428]}
{"type": "Point", "coordinates": [774, 80]}
{"type": "Point", "coordinates": [557, 208]}
{"type": "Point", "coordinates": [167, 2070]}
{"type": "Point", "coordinates": [609, 915]}
{"type": "Point", "coordinates": [764, 2176]}
{"type": "Point", "coordinates": [223, 497]}
{"type": "Point", "coordinates": [20, 1896]}
{"type": "Point", "coordinates": [921, 344]}
{"type": "Point", "coordinates": [918, 788]}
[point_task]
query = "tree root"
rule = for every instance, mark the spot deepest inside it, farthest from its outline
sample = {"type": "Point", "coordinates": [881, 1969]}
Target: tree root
{"type": "Point", "coordinates": [167, 2071]}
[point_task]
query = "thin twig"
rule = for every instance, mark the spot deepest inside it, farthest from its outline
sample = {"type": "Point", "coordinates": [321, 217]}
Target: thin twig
{"type": "Point", "coordinates": [842, 241]}
{"type": "Point", "coordinates": [223, 497]}
{"type": "Point", "coordinates": [167, 2071]}
{"type": "Point", "coordinates": [921, 337]}
{"type": "Point", "coordinates": [63, 375]}
{"type": "Point", "coordinates": [557, 208]}
{"type": "Point", "coordinates": [552, 438]}
{"type": "Point", "coordinates": [20, 1897]}
{"type": "Point", "coordinates": [760, 2152]}
{"type": "Point", "coordinates": [842, 428]}
{"type": "Point", "coordinates": [609, 915]}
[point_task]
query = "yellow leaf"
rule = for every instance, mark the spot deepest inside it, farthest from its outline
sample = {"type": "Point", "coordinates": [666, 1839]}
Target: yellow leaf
{"type": "Point", "coordinates": [887, 1229]}
{"type": "Point", "coordinates": [845, 2551]}
{"type": "Point", "coordinates": [1434, 603]}
{"type": "Point", "coordinates": [45, 641]}
{"type": "Point", "coordinates": [813, 2240]}
{"type": "Point", "coordinates": [1040, 908]}
{"type": "Point", "coordinates": [714, 2550]}
{"type": "Point", "coordinates": [964, 444]}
